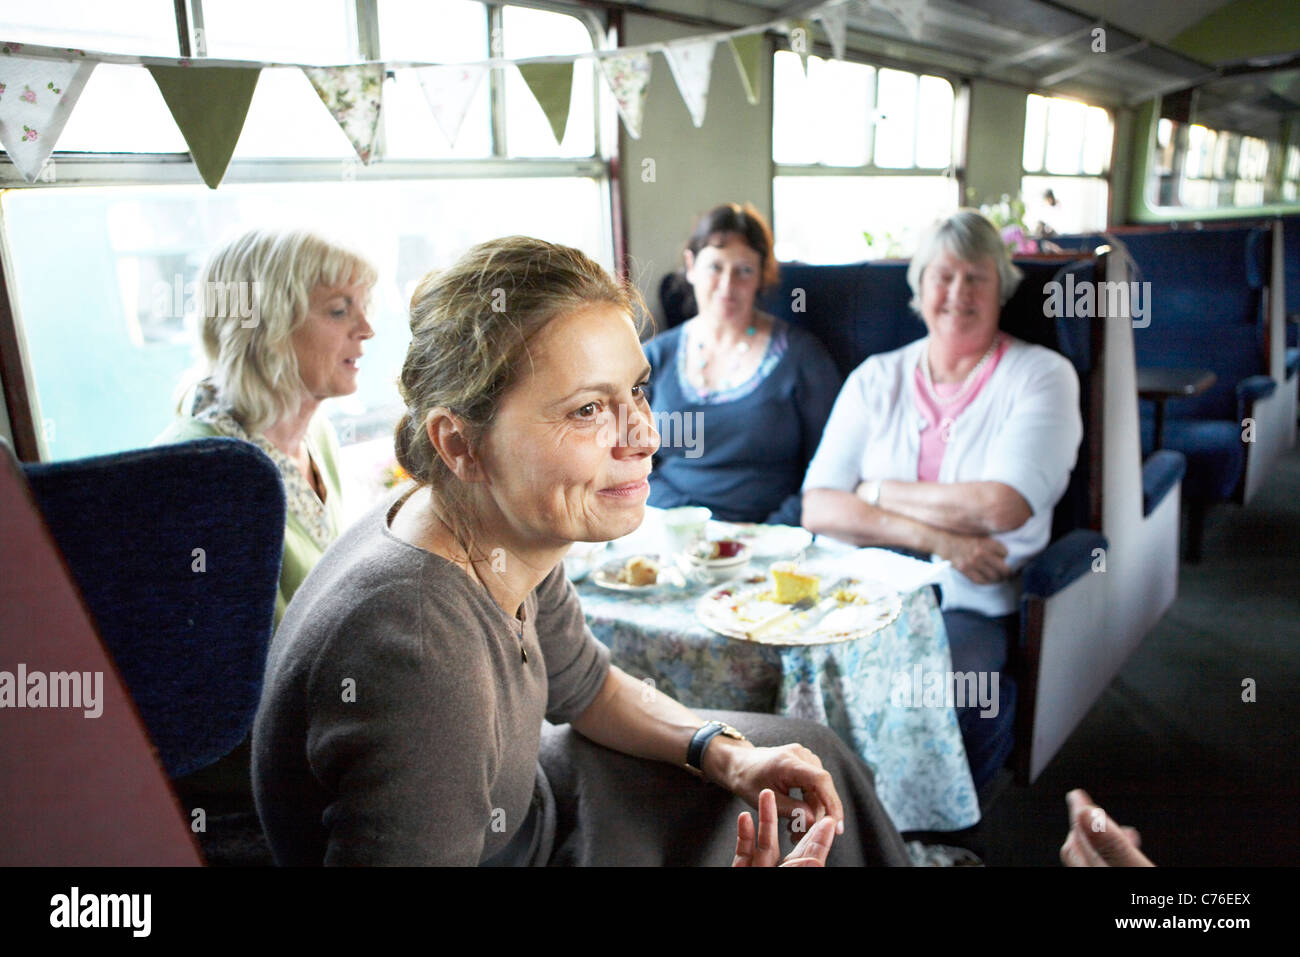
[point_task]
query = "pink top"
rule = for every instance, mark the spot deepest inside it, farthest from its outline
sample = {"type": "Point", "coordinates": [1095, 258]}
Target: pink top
{"type": "Point", "coordinates": [940, 422]}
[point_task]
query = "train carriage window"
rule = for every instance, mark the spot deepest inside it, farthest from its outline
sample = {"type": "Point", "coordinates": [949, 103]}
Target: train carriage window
{"type": "Point", "coordinates": [1291, 174]}
{"type": "Point", "coordinates": [124, 26]}
{"type": "Point", "coordinates": [1065, 183]}
{"type": "Point", "coordinates": [106, 308]}
{"type": "Point", "coordinates": [862, 157]}
{"type": "Point", "coordinates": [451, 32]}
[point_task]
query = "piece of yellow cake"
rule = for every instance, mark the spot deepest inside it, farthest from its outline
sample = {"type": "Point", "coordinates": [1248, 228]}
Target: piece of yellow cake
{"type": "Point", "coordinates": [793, 585]}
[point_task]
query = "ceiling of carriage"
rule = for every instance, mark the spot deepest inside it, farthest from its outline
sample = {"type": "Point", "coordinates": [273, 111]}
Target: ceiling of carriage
{"type": "Point", "coordinates": [1044, 45]}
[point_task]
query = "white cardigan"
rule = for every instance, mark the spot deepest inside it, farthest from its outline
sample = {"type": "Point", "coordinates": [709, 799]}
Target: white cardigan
{"type": "Point", "coordinates": [1022, 429]}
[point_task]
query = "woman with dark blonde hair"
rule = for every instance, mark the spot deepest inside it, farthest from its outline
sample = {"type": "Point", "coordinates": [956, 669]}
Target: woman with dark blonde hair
{"type": "Point", "coordinates": [283, 327]}
{"type": "Point", "coordinates": [406, 715]}
{"type": "Point", "coordinates": [757, 390]}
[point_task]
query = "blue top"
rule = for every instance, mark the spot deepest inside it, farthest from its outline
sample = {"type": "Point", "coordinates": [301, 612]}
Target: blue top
{"type": "Point", "coordinates": [743, 451]}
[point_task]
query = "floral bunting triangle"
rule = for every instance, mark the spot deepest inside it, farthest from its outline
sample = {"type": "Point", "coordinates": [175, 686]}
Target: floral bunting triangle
{"type": "Point", "coordinates": [748, 51]}
{"type": "Point", "coordinates": [629, 79]}
{"type": "Point", "coordinates": [353, 95]}
{"type": "Point", "coordinates": [449, 90]}
{"type": "Point", "coordinates": [209, 105]}
{"type": "Point", "coordinates": [834, 18]}
{"type": "Point", "coordinates": [36, 99]}
{"type": "Point", "coordinates": [691, 62]}
{"type": "Point", "coordinates": [801, 41]}
{"type": "Point", "coordinates": [552, 87]}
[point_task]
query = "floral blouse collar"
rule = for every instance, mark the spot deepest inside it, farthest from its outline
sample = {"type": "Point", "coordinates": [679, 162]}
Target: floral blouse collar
{"type": "Point", "coordinates": [301, 499]}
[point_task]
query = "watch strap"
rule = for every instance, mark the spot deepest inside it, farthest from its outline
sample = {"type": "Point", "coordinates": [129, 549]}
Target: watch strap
{"type": "Point", "coordinates": [706, 733]}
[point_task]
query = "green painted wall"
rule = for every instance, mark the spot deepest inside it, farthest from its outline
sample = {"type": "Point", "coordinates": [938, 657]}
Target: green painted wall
{"type": "Point", "coordinates": [995, 147]}
{"type": "Point", "coordinates": [728, 159]}
{"type": "Point", "coordinates": [1245, 28]}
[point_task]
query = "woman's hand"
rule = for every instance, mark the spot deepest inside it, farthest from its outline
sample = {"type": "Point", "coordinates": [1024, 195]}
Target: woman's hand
{"type": "Point", "coordinates": [1095, 840]}
{"type": "Point", "coordinates": [747, 771]}
{"type": "Point", "coordinates": [809, 852]}
{"type": "Point", "coordinates": [978, 557]}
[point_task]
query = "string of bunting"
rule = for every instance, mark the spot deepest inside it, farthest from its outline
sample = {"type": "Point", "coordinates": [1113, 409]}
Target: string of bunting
{"type": "Point", "coordinates": [209, 98]}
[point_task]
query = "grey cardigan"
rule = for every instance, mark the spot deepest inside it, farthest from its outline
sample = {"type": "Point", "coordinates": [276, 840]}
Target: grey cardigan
{"type": "Point", "coordinates": [399, 723]}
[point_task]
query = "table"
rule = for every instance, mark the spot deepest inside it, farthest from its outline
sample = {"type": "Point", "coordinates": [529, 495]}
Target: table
{"type": "Point", "coordinates": [856, 688]}
{"type": "Point", "coordinates": [1160, 385]}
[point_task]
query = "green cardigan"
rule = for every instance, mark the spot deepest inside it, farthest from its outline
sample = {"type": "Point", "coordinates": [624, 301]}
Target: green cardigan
{"type": "Point", "coordinates": [301, 553]}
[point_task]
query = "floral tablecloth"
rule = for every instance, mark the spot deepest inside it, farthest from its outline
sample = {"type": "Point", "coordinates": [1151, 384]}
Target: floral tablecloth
{"type": "Point", "coordinates": [916, 753]}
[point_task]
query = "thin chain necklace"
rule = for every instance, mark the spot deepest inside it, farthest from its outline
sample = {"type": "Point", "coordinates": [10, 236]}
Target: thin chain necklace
{"type": "Point", "coordinates": [966, 384]}
{"type": "Point", "coordinates": [700, 360]}
{"type": "Point", "coordinates": [471, 571]}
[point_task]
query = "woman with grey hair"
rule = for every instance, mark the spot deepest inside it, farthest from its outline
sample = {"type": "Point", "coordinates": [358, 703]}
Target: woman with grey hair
{"type": "Point", "coordinates": [283, 323]}
{"type": "Point", "coordinates": [956, 445]}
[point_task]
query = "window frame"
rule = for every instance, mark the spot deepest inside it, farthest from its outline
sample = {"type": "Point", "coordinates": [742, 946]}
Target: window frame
{"type": "Point", "coordinates": [1273, 177]}
{"type": "Point", "coordinates": [955, 168]}
{"type": "Point", "coordinates": [1106, 175]}
{"type": "Point", "coordinates": [165, 169]}
{"type": "Point", "coordinates": [66, 169]}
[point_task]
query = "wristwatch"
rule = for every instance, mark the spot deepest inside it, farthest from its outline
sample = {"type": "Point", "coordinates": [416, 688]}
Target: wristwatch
{"type": "Point", "coordinates": [707, 732]}
{"type": "Point", "coordinates": [871, 492]}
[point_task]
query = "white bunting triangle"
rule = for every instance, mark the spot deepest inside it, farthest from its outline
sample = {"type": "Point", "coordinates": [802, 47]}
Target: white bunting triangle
{"type": "Point", "coordinates": [449, 90]}
{"type": "Point", "coordinates": [691, 62]}
{"type": "Point", "coordinates": [628, 78]}
{"type": "Point", "coordinates": [36, 99]}
{"type": "Point", "coordinates": [909, 13]}
{"type": "Point", "coordinates": [834, 20]}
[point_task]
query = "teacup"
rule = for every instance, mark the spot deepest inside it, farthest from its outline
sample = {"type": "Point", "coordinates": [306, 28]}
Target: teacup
{"type": "Point", "coordinates": [685, 526]}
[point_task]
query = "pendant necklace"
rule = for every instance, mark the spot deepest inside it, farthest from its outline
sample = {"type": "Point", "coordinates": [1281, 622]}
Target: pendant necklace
{"type": "Point", "coordinates": [702, 359]}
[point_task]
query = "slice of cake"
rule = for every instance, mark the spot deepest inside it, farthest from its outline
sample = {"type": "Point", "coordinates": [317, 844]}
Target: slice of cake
{"type": "Point", "coordinates": [639, 571]}
{"type": "Point", "coordinates": [793, 585]}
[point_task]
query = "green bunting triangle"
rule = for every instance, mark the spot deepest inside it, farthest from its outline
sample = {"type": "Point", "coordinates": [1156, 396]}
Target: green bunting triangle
{"type": "Point", "coordinates": [209, 105]}
{"type": "Point", "coordinates": [748, 51]}
{"type": "Point", "coordinates": [552, 85]}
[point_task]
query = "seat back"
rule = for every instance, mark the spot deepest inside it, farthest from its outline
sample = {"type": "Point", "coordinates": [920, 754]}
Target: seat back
{"type": "Point", "coordinates": [176, 550]}
{"type": "Point", "coordinates": [856, 310]}
{"type": "Point", "coordinates": [1046, 311]}
{"type": "Point", "coordinates": [1204, 312]}
{"type": "Point", "coordinates": [80, 785]}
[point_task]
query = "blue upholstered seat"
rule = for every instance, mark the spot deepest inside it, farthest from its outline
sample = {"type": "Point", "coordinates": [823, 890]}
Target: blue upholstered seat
{"type": "Point", "coordinates": [176, 550]}
{"type": "Point", "coordinates": [1205, 313]}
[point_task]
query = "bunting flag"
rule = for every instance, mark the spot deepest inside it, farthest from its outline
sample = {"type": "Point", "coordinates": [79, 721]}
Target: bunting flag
{"type": "Point", "coordinates": [748, 51]}
{"type": "Point", "coordinates": [629, 79]}
{"type": "Point", "coordinates": [691, 62]}
{"type": "Point", "coordinates": [449, 90]}
{"type": "Point", "coordinates": [801, 41]}
{"type": "Point", "coordinates": [834, 18]}
{"type": "Point", "coordinates": [36, 99]}
{"type": "Point", "coordinates": [910, 13]}
{"type": "Point", "coordinates": [353, 95]}
{"type": "Point", "coordinates": [552, 87]}
{"type": "Point", "coordinates": [209, 105]}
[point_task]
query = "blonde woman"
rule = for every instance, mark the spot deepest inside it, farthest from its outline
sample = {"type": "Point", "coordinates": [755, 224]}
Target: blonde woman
{"type": "Point", "coordinates": [283, 328]}
{"type": "Point", "coordinates": [418, 690]}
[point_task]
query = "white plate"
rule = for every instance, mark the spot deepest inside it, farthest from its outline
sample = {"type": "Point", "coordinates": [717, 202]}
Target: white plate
{"type": "Point", "coordinates": [744, 554]}
{"type": "Point", "coordinates": [670, 576]}
{"type": "Point", "coordinates": [766, 541]}
{"type": "Point", "coordinates": [739, 610]}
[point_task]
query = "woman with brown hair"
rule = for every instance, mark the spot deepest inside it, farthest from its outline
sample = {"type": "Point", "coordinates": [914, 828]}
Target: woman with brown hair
{"type": "Point", "coordinates": [758, 390]}
{"type": "Point", "coordinates": [408, 694]}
